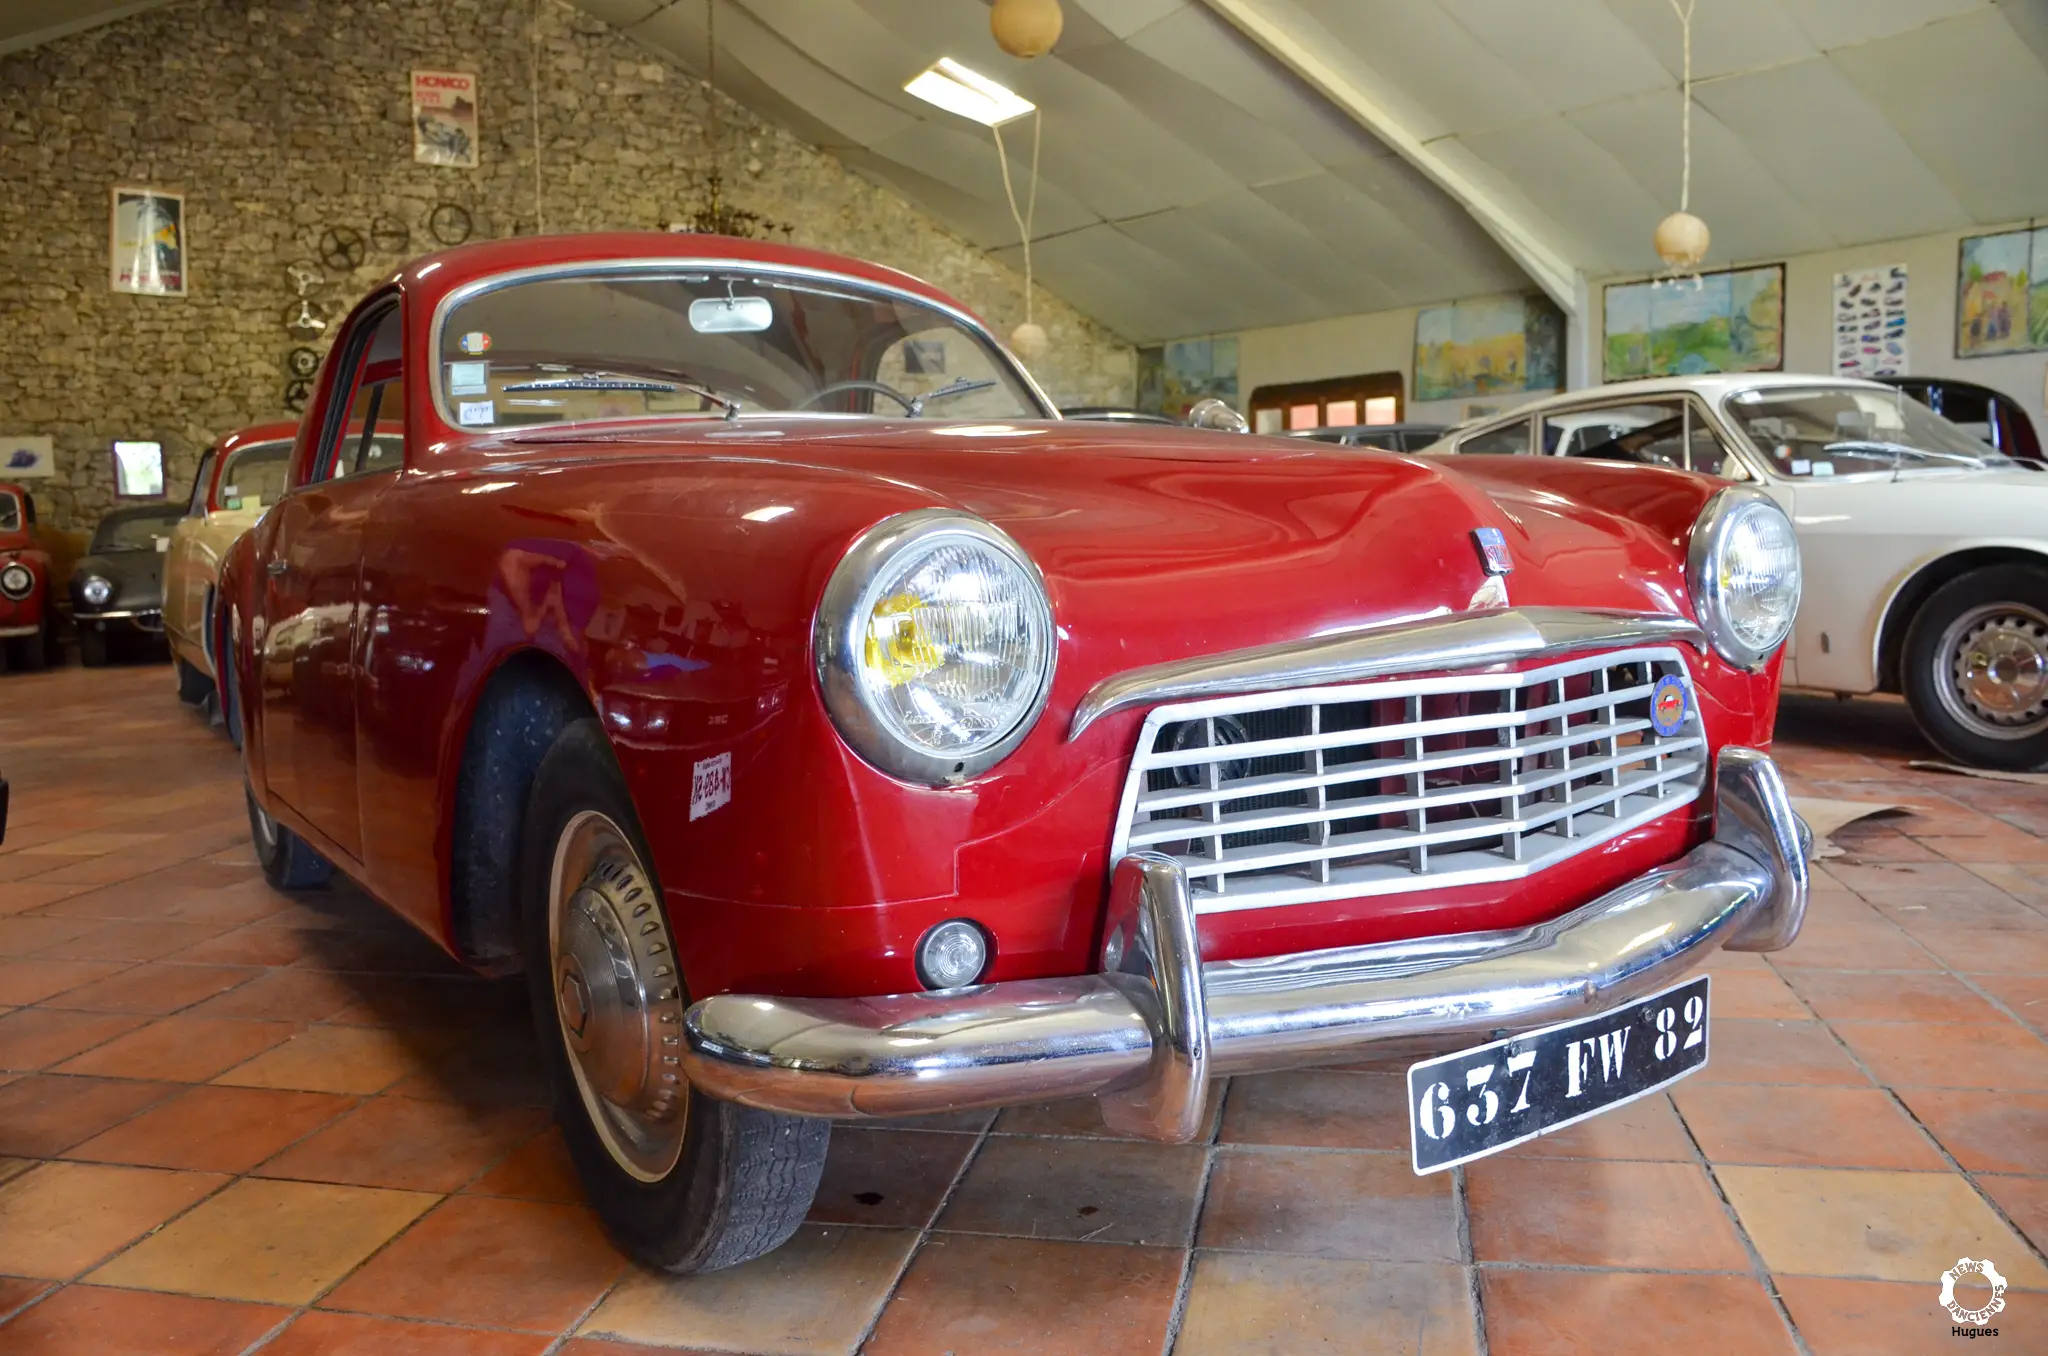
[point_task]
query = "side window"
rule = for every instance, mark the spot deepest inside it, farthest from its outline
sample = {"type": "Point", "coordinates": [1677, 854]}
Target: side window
{"type": "Point", "coordinates": [197, 506]}
{"type": "Point", "coordinates": [1509, 440]}
{"type": "Point", "coordinates": [370, 435]}
{"type": "Point", "coordinates": [1648, 433]}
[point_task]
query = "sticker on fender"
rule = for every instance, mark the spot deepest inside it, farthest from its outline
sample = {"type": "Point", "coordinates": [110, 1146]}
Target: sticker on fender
{"type": "Point", "coordinates": [1480, 1101]}
{"type": "Point", "coordinates": [710, 785]}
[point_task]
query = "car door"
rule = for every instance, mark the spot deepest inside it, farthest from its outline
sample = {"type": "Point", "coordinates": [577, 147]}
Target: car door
{"type": "Point", "coordinates": [184, 584]}
{"type": "Point", "coordinates": [313, 588]}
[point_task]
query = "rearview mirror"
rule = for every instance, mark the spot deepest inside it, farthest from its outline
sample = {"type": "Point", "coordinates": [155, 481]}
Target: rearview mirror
{"type": "Point", "coordinates": [731, 315]}
{"type": "Point", "coordinates": [1211, 413]}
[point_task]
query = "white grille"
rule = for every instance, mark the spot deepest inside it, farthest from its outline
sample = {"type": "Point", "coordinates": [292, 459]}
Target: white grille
{"type": "Point", "coordinates": [1374, 788]}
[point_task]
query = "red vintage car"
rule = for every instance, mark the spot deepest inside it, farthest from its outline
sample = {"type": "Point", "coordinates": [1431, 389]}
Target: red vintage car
{"type": "Point", "coordinates": [740, 646]}
{"type": "Point", "coordinates": [28, 612]}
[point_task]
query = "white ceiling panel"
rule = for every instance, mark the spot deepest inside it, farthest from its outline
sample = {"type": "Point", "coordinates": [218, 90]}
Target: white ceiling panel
{"type": "Point", "coordinates": [1844, 23]}
{"type": "Point", "coordinates": [1727, 35]}
{"type": "Point", "coordinates": [1833, 150]}
{"type": "Point", "coordinates": [1565, 173]}
{"type": "Point", "coordinates": [1986, 148]}
{"type": "Point", "coordinates": [1213, 54]}
{"type": "Point", "coordinates": [1435, 72]}
{"type": "Point", "coordinates": [1571, 53]}
{"type": "Point", "coordinates": [1752, 212]}
{"type": "Point", "coordinates": [1130, 288]}
{"type": "Point", "coordinates": [1126, 17]}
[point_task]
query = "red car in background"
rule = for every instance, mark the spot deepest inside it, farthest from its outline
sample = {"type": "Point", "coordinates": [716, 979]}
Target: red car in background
{"type": "Point", "coordinates": [28, 610]}
{"type": "Point", "coordinates": [739, 644]}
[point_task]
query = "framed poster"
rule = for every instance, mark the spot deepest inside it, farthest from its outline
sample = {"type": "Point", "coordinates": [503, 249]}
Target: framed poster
{"type": "Point", "coordinates": [2002, 293]}
{"type": "Point", "coordinates": [1870, 322]}
{"type": "Point", "coordinates": [138, 470]}
{"type": "Point", "coordinates": [444, 118]}
{"type": "Point", "coordinates": [27, 457]}
{"type": "Point", "coordinates": [1730, 321]}
{"type": "Point", "coordinates": [1488, 346]}
{"type": "Point", "coordinates": [146, 252]}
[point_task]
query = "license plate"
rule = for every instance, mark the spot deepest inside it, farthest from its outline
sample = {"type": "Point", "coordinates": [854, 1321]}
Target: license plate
{"type": "Point", "coordinates": [1483, 1100]}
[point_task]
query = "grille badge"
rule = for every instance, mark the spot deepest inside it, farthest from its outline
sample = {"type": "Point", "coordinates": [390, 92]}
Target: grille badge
{"type": "Point", "coordinates": [1493, 550]}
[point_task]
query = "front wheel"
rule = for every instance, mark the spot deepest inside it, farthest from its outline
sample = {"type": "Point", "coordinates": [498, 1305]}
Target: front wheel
{"type": "Point", "coordinates": [92, 648]}
{"type": "Point", "coordinates": [29, 652]}
{"type": "Point", "coordinates": [194, 687]}
{"type": "Point", "coordinates": [685, 1182]}
{"type": "Point", "coordinates": [1976, 668]}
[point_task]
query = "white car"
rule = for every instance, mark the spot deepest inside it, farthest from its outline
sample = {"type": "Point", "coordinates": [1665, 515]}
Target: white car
{"type": "Point", "coordinates": [1925, 552]}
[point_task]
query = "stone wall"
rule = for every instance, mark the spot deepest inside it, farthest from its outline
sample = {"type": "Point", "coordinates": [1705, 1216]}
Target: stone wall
{"type": "Point", "coordinates": [280, 118]}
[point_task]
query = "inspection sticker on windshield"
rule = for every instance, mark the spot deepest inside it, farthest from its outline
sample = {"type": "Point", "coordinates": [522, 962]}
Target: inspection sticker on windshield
{"type": "Point", "coordinates": [1480, 1101]}
{"type": "Point", "coordinates": [469, 378]}
{"type": "Point", "coordinates": [475, 342]}
{"type": "Point", "coordinates": [470, 412]}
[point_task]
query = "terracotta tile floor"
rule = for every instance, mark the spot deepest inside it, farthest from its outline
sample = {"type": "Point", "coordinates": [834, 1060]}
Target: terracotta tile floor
{"type": "Point", "coordinates": [232, 1120]}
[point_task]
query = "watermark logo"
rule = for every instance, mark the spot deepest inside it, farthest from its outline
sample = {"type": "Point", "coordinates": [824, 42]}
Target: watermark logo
{"type": "Point", "coordinates": [1973, 1318]}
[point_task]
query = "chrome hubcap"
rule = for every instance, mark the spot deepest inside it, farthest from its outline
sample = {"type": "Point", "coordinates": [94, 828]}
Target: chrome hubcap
{"type": "Point", "coordinates": [618, 999]}
{"type": "Point", "coordinates": [1994, 677]}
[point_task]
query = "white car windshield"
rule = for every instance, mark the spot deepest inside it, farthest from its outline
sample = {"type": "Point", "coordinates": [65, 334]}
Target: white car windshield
{"type": "Point", "coordinates": [1847, 430]}
{"type": "Point", "coordinates": [634, 345]}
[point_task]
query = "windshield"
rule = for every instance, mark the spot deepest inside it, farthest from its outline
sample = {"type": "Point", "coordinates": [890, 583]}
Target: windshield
{"type": "Point", "coordinates": [10, 512]}
{"type": "Point", "coordinates": [602, 346]}
{"type": "Point", "coordinates": [254, 476]}
{"type": "Point", "coordinates": [1846, 430]}
{"type": "Point", "coordinates": [138, 532]}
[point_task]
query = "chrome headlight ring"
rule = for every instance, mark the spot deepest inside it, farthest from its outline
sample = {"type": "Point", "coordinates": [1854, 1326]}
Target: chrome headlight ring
{"type": "Point", "coordinates": [872, 577]}
{"type": "Point", "coordinates": [17, 581]}
{"type": "Point", "coordinates": [96, 591]}
{"type": "Point", "coordinates": [1745, 630]}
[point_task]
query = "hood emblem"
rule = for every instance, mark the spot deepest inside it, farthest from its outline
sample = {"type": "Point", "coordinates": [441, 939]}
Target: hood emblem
{"type": "Point", "coordinates": [1493, 550]}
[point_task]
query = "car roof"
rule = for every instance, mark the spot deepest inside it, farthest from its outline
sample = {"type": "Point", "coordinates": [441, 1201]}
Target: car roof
{"type": "Point", "coordinates": [1711, 386]}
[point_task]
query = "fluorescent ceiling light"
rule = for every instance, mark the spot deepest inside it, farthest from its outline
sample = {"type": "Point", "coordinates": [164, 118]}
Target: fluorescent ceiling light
{"type": "Point", "coordinates": [970, 94]}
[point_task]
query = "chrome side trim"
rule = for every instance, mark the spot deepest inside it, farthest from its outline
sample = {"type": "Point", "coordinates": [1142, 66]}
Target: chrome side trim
{"type": "Point", "coordinates": [1469, 640]}
{"type": "Point", "coordinates": [1027, 1040]}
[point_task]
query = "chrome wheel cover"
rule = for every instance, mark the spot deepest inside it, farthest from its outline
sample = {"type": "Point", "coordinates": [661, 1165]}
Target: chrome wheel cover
{"type": "Point", "coordinates": [618, 1000]}
{"type": "Point", "coordinates": [1991, 670]}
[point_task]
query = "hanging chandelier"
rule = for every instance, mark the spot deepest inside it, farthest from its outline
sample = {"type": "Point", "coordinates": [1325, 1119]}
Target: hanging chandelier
{"type": "Point", "coordinates": [1682, 239]}
{"type": "Point", "coordinates": [713, 215]}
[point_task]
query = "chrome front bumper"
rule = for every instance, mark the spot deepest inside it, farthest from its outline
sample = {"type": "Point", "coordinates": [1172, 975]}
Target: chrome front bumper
{"type": "Point", "coordinates": [1147, 1033]}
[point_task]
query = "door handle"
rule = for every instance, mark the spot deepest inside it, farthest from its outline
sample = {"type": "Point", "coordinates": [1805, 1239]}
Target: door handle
{"type": "Point", "coordinates": [277, 568]}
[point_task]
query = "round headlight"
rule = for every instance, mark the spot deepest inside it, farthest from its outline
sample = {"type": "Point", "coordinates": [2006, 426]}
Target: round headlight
{"type": "Point", "coordinates": [96, 591]}
{"type": "Point", "coordinates": [1743, 568]}
{"type": "Point", "coordinates": [16, 580]}
{"type": "Point", "coordinates": [935, 646]}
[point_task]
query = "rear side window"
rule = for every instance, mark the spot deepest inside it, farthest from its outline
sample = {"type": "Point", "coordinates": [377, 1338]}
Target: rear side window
{"type": "Point", "coordinates": [1509, 440]}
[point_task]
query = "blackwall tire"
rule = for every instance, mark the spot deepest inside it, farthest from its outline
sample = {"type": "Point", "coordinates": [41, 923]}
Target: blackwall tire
{"type": "Point", "coordinates": [92, 648]}
{"type": "Point", "coordinates": [194, 687]}
{"type": "Point", "coordinates": [29, 652]}
{"type": "Point", "coordinates": [684, 1182]}
{"type": "Point", "coordinates": [1975, 668]}
{"type": "Point", "coordinates": [288, 861]}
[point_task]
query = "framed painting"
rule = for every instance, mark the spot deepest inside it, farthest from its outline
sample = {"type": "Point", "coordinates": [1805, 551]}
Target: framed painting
{"type": "Point", "coordinates": [1488, 346]}
{"type": "Point", "coordinates": [1729, 321]}
{"type": "Point", "coordinates": [2002, 293]}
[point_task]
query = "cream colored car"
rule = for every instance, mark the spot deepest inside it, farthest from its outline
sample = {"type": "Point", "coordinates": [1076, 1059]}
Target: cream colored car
{"type": "Point", "coordinates": [238, 479]}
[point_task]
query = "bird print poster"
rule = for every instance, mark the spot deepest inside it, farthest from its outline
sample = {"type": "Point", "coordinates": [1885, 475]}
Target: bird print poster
{"type": "Point", "coordinates": [1870, 322]}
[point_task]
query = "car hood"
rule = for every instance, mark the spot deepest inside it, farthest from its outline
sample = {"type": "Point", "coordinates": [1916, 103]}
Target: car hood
{"type": "Point", "coordinates": [137, 577]}
{"type": "Point", "coordinates": [1157, 544]}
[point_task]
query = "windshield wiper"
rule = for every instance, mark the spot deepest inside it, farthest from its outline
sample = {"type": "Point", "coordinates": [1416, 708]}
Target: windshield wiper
{"type": "Point", "coordinates": [1900, 451]}
{"type": "Point", "coordinates": [608, 381]}
{"type": "Point", "coordinates": [962, 386]}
